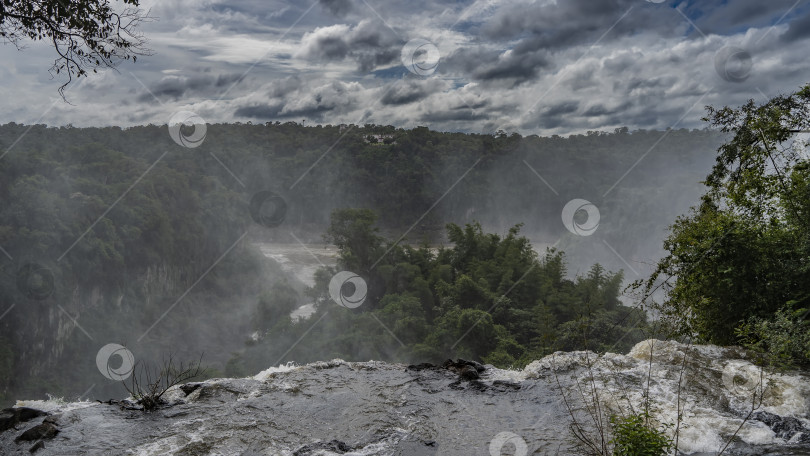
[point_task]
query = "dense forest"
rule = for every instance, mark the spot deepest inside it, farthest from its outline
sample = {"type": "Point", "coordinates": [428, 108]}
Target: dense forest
{"type": "Point", "coordinates": [121, 235]}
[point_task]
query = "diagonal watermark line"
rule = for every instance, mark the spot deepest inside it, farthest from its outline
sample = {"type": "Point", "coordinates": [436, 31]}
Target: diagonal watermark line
{"type": "Point", "coordinates": [690, 22]}
{"type": "Point", "coordinates": [75, 322]}
{"type": "Point", "coordinates": [541, 177]}
{"type": "Point", "coordinates": [242, 77]}
{"type": "Point", "coordinates": [663, 282]}
{"type": "Point", "coordinates": [227, 169]}
{"type": "Point", "coordinates": [666, 133]}
{"type": "Point", "coordinates": [497, 301]}
{"type": "Point", "coordinates": [426, 213]}
{"type": "Point", "coordinates": [776, 24]}
{"type": "Point", "coordinates": [112, 206]}
{"type": "Point", "coordinates": [7, 311]}
{"type": "Point", "coordinates": [568, 69]}
{"type": "Point", "coordinates": [461, 16]}
{"type": "Point", "coordinates": [620, 257]}
{"type": "Point", "coordinates": [386, 328]}
{"type": "Point", "coordinates": [381, 18]}
{"type": "Point", "coordinates": [211, 153]}
{"type": "Point", "coordinates": [6, 253]}
{"type": "Point", "coordinates": [321, 157]}
{"type": "Point", "coordinates": [299, 339]}
{"type": "Point", "coordinates": [147, 88]}
{"type": "Point", "coordinates": [613, 347]}
{"type": "Point", "coordinates": [308, 250]}
{"type": "Point", "coordinates": [37, 121]}
{"type": "Point", "coordinates": [391, 86]}
{"type": "Point", "coordinates": [193, 285]}
{"type": "Point", "coordinates": [28, 129]}
{"type": "Point", "coordinates": [87, 392]}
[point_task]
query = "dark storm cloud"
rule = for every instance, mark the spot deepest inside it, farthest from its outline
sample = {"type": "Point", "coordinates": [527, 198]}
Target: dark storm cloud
{"type": "Point", "coordinates": [454, 115]}
{"type": "Point", "coordinates": [337, 7]}
{"type": "Point", "coordinates": [370, 43]}
{"type": "Point", "coordinates": [295, 98]}
{"type": "Point", "coordinates": [270, 112]}
{"type": "Point", "coordinates": [410, 90]}
{"type": "Point", "coordinates": [481, 64]}
{"type": "Point", "coordinates": [176, 87]}
{"type": "Point", "coordinates": [560, 109]}
{"type": "Point", "coordinates": [799, 29]}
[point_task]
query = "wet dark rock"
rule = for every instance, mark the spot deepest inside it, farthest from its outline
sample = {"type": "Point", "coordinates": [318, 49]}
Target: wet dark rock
{"type": "Point", "coordinates": [46, 430]}
{"type": "Point", "coordinates": [503, 385]}
{"type": "Point", "coordinates": [189, 388]}
{"type": "Point", "coordinates": [467, 370]}
{"type": "Point", "coordinates": [421, 366]}
{"type": "Point", "coordinates": [11, 416]}
{"type": "Point", "coordinates": [784, 427]}
{"type": "Point", "coordinates": [468, 373]}
{"type": "Point", "coordinates": [335, 446]}
{"type": "Point", "coordinates": [37, 446]}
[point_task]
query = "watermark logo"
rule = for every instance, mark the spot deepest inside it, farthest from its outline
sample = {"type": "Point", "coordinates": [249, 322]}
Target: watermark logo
{"type": "Point", "coordinates": [586, 227]}
{"type": "Point", "coordinates": [115, 373]}
{"type": "Point", "coordinates": [189, 119]}
{"type": "Point", "coordinates": [348, 289]}
{"type": "Point", "coordinates": [733, 64]}
{"type": "Point", "coordinates": [742, 378]}
{"type": "Point", "coordinates": [420, 56]}
{"type": "Point", "coordinates": [268, 209]}
{"type": "Point", "coordinates": [35, 281]}
{"type": "Point", "coordinates": [504, 438]}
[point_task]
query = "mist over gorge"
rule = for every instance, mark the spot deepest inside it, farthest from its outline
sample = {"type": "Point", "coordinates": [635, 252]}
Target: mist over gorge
{"type": "Point", "coordinates": [188, 210]}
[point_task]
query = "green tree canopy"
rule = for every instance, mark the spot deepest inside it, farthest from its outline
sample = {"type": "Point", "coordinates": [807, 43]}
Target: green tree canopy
{"type": "Point", "coordinates": [743, 252]}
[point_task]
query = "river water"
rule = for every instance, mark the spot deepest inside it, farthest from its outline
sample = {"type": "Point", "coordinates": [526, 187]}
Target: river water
{"type": "Point", "coordinates": [374, 408]}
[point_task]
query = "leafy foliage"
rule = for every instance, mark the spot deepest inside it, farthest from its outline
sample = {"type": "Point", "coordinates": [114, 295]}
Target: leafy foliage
{"type": "Point", "coordinates": [488, 297]}
{"type": "Point", "coordinates": [740, 257]}
{"type": "Point", "coordinates": [634, 436]}
{"type": "Point", "coordinates": [86, 34]}
{"type": "Point", "coordinates": [782, 340]}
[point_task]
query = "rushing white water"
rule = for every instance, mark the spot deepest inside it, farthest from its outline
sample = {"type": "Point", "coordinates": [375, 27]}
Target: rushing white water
{"type": "Point", "coordinates": [717, 390]}
{"type": "Point", "coordinates": [301, 261]}
{"type": "Point", "coordinates": [376, 408]}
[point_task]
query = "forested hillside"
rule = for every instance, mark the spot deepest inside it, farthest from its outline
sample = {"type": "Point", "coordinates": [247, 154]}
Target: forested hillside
{"type": "Point", "coordinates": [121, 235]}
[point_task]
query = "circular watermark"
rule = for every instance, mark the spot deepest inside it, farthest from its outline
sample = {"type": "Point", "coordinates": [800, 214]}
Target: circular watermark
{"type": "Point", "coordinates": [35, 281]}
{"type": "Point", "coordinates": [268, 208]}
{"type": "Point", "coordinates": [115, 373]}
{"type": "Point", "coordinates": [420, 56]}
{"type": "Point", "coordinates": [589, 225]}
{"type": "Point", "coordinates": [733, 64]}
{"type": "Point", "coordinates": [190, 119]}
{"type": "Point", "coordinates": [339, 293]}
{"type": "Point", "coordinates": [742, 378]}
{"type": "Point", "coordinates": [504, 438]}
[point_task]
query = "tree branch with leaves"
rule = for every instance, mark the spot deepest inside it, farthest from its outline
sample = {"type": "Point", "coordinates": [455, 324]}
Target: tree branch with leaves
{"type": "Point", "coordinates": [85, 34]}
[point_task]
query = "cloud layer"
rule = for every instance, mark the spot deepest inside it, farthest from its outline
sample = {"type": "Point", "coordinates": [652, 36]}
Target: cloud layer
{"type": "Point", "coordinates": [537, 67]}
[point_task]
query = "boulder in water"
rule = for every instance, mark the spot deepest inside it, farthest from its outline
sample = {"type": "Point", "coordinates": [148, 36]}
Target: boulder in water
{"type": "Point", "coordinates": [46, 430]}
{"type": "Point", "coordinates": [11, 416]}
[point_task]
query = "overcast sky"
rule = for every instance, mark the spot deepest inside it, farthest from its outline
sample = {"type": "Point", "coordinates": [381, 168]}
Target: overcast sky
{"type": "Point", "coordinates": [536, 67]}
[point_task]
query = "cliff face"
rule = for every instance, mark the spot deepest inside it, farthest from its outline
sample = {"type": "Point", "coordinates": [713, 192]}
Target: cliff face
{"type": "Point", "coordinates": [374, 408]}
